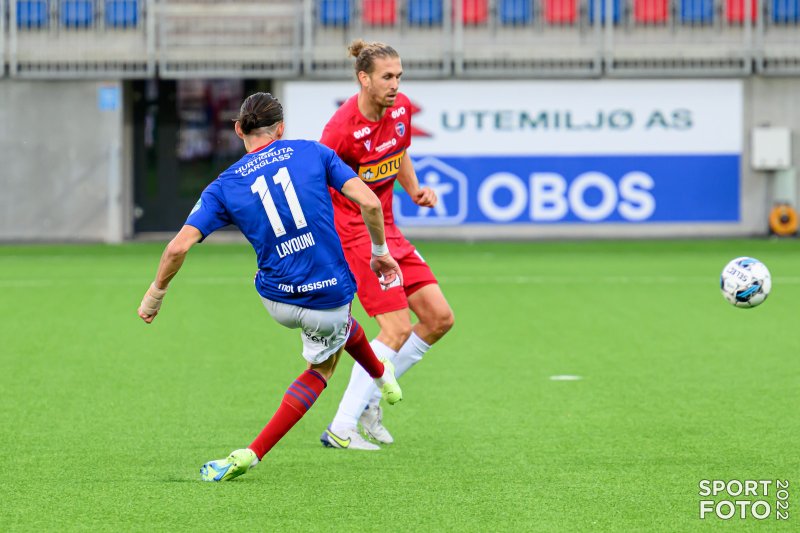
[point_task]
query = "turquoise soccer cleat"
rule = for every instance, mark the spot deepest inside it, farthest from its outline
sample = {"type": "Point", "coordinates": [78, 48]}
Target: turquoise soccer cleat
{"type": "Point", "coordinates": [233, 466]}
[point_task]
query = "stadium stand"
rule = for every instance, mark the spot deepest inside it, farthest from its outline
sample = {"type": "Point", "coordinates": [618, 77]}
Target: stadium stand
{"type": "Point", "coordinates": [425, 12]}
{"type": "Point", "coordinates": [515, 12]}
{"type": "Point", "coordinates": [121, 13]}
{"type": "Point", "coordinates": [32, 13]}
{"type": "Point", "coordinates": [696, 12]}
{"type": "Point", "coordinates": [232, 39]}
{"type": "Point", "coordinates": [779, 39]}
{"type": "Point", "coordinates": [560, 12]}
{"type": "Point", "coordinates": [785, 11]}
{"type": "Point", "coordinates": [528, 39]}
{"type": "Point", "coordinates": [380, 12]}
{"type": "Point", "coordinates": [598, 10]}
{"type": "Point", "coordinates": [737, 12]}
{"type": "Point", "coordinates": [3, 38]}
{"type": "Point", "coordinates": [474, 12]}
{"type": "Point", "coordinates": [334, 12]}
{"type": "Point", "coordinates": [79, 39]}
{"type": "Point", "coordinates": [416, 27]}
{"type": "Point", "coordinates": [646, 12]}
{"type": "Point", "coordinates": [437, 38]}
{"type": "Point", "coordinates": [77, 13]}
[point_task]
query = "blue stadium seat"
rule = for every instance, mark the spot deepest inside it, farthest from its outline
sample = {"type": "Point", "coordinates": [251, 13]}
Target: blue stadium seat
{"type": "Point", "coordinates": [77, 13]}
{"type": "Point", "coordinates": [616, 11]}
{"type": "Point", "coordinates": [425, 12]}
{"type": "Point", "coordinates": [334, 12]}
{"type": "Point", "coordinates": [122, 13]}
{"type": "Point", "coordinates": [515, 12]}
{"type": "Point", "coordinates": [785, 11]}
{"type": "Point", "coordinates": [31, 13]}
{"type": "Point", "coordinates": [697, 11]}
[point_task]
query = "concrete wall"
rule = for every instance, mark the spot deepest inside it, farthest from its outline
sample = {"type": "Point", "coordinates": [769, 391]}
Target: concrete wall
{"type": "Point", "coordinates": [66, 155]}
{"type": "Point", "coordinates": [62, 169]}
{"type": "Point", "coordinates": [769, 102]}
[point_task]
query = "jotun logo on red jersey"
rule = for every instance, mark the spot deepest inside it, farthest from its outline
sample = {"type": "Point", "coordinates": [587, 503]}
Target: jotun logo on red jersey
{"type": "Point", "coordinates": [383, 169]}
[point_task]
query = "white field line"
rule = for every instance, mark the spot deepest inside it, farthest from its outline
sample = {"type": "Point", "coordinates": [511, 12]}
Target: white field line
{"type": "Point", "coordinates": [566, 377]}
{"type": "Point", "coordinates": [444, 280]}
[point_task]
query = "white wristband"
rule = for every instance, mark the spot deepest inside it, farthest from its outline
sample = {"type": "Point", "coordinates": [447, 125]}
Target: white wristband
{"type": "Point", "coordinates": [151, 302]}
{"type": "Point", "coordinates": [379, 249]}
{"type": "Point", "coordinates": [156, 292]}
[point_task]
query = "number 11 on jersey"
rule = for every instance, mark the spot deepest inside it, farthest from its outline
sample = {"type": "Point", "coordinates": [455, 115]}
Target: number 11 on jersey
{"type": "Point", "coordinates": [283, 179]}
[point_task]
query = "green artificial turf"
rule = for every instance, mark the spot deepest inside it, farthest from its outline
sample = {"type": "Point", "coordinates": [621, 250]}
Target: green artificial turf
{"type": "Point", "coordinates": [106, 421]}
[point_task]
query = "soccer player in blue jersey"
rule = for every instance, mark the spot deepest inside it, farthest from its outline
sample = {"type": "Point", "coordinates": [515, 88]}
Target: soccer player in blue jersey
{"type": "Point", "coordinates": [277, 195]}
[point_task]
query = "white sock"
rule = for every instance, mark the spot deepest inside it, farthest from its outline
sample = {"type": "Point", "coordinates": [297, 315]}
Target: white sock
{"type": "Point", "coordinates": [410, 354]}
{"type": "Point", "coordinates": [360, 389]}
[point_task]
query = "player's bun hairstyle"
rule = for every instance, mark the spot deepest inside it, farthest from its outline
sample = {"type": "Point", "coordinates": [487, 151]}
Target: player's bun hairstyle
{"type": "Point", "coordinates": [259, 110]}
{"type": "Point", "coordinates": [365, 54]}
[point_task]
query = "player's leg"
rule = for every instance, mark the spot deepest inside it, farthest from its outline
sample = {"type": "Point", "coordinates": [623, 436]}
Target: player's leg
{"type": "Point", "coordinates": [435, 317]}
{"type": "Point", "coordinates": [387, 306]}
{"type": "Point", "coordinates": [361, 387]}
{"type": "Point", "coordinates": [324, 333]}
{"type": "Point", "coordinates": [426, 300]}
{"type": "Point", "coordinates": [381, 372]}
{"type": "Point", "coordinates": [297, 400]}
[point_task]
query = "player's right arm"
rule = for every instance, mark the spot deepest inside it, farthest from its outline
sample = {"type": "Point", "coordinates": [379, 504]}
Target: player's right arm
{"type": "Point", "coordinates": [171, 262]}
{"type": "Point", "coordinates": [382, 263]}
{"type": "Point", "coordinates": [208, 215]}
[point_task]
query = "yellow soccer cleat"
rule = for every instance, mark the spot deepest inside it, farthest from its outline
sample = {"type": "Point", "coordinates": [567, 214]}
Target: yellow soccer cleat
{"type": "Point", "coordinates": [387, 383]}
{"type": "Point", "coordinates": [233, 466]}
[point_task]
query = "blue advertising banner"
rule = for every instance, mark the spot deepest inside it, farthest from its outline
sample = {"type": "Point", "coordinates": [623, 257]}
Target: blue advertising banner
{"type": "Point", "coordinates": [518, 152]}
{"type": "Point", "coordinates": [575, 189]}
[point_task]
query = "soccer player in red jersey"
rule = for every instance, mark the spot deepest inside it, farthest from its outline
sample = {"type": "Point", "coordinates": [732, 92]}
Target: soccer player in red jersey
{"type": "Point", "coordinates": [371, 132]}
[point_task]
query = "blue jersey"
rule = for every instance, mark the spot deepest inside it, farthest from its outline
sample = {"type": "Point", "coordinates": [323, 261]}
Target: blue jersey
{"type": "Point", "coordinates": [278, 197]}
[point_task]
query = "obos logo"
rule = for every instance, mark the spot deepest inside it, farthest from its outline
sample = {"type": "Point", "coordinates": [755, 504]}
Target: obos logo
{"type": "Point", "coordinates": [450, 187]}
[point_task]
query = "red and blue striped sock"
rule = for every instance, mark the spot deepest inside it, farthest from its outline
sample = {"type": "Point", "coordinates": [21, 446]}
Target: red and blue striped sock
{"type": "Point", "coordinates": [359, 349]}
{"type": "Point", "coordinates": [299, 398]}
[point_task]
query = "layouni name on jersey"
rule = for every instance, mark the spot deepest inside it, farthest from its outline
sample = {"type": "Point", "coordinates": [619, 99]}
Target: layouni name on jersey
{"type": "Point", "coordinates": [295, 244]}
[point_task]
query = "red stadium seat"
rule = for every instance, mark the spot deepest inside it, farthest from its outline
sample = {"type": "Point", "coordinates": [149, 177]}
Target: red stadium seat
{"type": "Point", "coordinates": [650, 11]}
{"type": "Point", "coordinates": [380, 12]}
{"type": "Point", "coordinates": [560, 11]}
{"type": "Point", "coordinates": [734, 10]}
{"type": "Point", "coordinates": [474, 12]}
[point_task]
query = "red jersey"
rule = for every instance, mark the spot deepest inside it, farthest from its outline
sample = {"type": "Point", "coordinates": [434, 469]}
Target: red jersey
{"type": "Point", "coordinates": [374, 151]}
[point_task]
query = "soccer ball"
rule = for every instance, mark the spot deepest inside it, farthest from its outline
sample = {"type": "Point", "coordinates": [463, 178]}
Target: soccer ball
{"type": "Point", "coordinates": [745, 282]}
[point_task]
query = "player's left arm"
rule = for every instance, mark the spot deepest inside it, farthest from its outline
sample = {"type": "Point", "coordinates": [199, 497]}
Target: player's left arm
{"type": "Point", "coordinates": [171, 262]}
{"type": "Point", "coordinates": [407, 176]}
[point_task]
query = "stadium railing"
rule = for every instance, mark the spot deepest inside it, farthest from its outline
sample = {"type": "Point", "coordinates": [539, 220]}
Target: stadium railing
{"type": "Point", "coordinates": [778, 38]}
{"type": "Point", "coordinates": [686, 38]}
{"type": "Point", "coordinates": [80, 38]}
{"type": "Point", "coordinates": [437, 38]}
{"type": "Point", "coordinates": [416, 27]}
{"type": "Point", "coordinates": [524, 38]}
{"type": "Point", "coordinates": [3, 39]}
{"type": "Point", "coordinates": [244, 38]}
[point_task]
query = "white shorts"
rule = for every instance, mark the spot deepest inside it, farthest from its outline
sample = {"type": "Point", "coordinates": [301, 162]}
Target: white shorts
{"type": "Point", "coordinates": [324, 330]}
